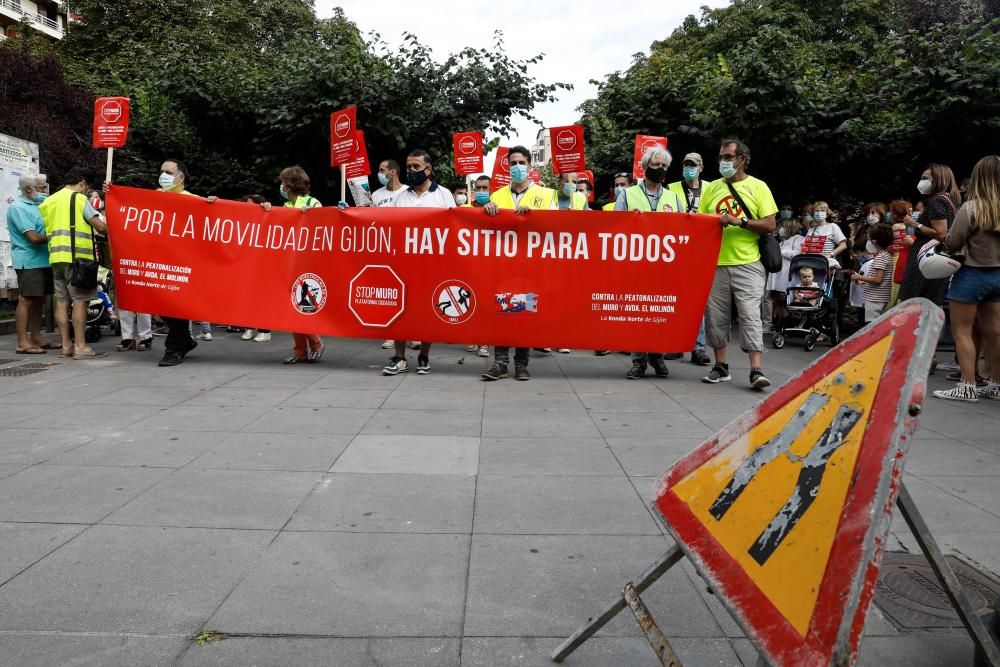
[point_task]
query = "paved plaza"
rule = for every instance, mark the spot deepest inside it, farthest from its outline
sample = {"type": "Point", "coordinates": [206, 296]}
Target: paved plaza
{"type": "Point", "coordinates": [327, 515]}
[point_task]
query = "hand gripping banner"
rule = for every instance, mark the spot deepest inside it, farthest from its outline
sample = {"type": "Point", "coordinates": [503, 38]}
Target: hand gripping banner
{"type": "Point", "coordinates": [580, 279]}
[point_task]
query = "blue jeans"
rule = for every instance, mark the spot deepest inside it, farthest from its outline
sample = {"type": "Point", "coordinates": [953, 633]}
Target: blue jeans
{"type": "Point", "coordinates": [700, 342]}
{"type": "Point", "coordinates": [975, 284]}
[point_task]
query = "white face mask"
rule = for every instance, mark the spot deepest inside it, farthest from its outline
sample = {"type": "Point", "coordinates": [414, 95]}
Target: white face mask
{"type": "Point", "coordinates": [872, 219]}
{"type": "Point", "coordinates": [819, 216]}
{"type": "Point", "coordinates": [166, 181]}
{"type": "Point", "coordinates": [727, 169]}
{"type": "Point", "coordinates": [461, 199]}
{"type": "Point", "coordinates": [870, 247]}
{"type": "Point", "coordinates": [924, 186]}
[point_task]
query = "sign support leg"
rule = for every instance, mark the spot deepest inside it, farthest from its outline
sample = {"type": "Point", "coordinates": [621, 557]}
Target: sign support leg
{"type": "Point", "coordinates": [107, 172]}
{"type": "Point", "coordinates": [980, 635]}
{"type": "Point", "coordinates": [670, 558]}
{"type": "Point", "coordinates": [661, 645]}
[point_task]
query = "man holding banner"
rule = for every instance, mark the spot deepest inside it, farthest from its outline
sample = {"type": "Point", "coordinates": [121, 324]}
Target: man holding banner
{"type": "Point", "coordinates": [522, 195]}
{"type": "Point", "coordinates": [747, 211]}
{"type": "Point", "coordinates": [568, 197]}
{"type": "Point", "coordinates": [423, 192]}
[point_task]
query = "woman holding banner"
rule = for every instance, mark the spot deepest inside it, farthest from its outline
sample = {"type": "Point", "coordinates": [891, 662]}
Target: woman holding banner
{"type": "Point", "coordinates": [294, 190]}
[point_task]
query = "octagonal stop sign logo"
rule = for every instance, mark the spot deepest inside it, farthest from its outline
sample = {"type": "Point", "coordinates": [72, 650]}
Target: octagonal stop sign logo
{"type": "Point", "coordinates": [377, 296]}
{"type": "Point", "coordinates": [566, 140]}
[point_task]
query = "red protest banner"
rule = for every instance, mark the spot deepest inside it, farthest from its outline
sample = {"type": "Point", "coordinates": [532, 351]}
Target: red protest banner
{"type": "Point", "coordinates": [567, 148]}
{"type": "Point", "coordinates": [343, 123]}
{"type": "Point", "coordinates": [110, 122]}
{"type": "Point", "coordinates": [813, 244]}
{"type": "Point", "coordinates": [582, 279]}
{"type": "Point", "coordinates": [359, 165]}
{"type": "Point", "coordinates": [501, 170]}
{"type": "Point", "coordinates": [468, 147]}
{"type": "Point", "coordinates": [643, 142]}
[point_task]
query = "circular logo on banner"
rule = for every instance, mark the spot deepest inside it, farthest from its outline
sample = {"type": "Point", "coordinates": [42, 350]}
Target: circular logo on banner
{"type": "Point", "coordinates": [308, 294]}
{"type": "Point", "coordinates": [467, 145]}
{"type": "Point", "coordinates": [454, 301]}
{"type": "Point", "coordinates": [342, 125]}
{"type": "Point", "coordinates": [566, 140]}
{"type": "Point", "coordinates": [505, 163]}
{"type": "Point", "coordinates": [111, 111]}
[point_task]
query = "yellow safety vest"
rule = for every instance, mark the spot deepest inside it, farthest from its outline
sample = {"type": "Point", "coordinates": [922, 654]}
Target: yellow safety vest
{"type": "Point", "coordinates": [55, 212]}
{"type": "Point", "coordinates": [610, 206]}
{"type": "Point", "coordinates": [678, 189]}
{"type": "Point", "coordinates": [535, 197]}
{"type": "Point", "coordinates": [636, 200]}
{"type": "Point", "coordinates": [303, 201]}
{"type": "Point", "coordinates": [578, 203]}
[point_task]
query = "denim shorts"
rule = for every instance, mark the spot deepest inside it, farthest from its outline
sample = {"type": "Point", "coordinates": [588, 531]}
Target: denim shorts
{"type": "Point", "coordinates": [975, 284]}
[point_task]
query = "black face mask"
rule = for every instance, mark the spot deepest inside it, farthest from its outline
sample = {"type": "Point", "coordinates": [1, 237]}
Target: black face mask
{"type": "Point", "coordinates": [415, 178]}
{"type": "Point", "coordinates": [656, 174]}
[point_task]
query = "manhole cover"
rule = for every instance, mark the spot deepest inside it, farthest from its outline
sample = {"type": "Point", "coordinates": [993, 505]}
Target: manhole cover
{"type": "Point", "coordinates": [7, 361]}
{"type": "Point", "coordinates": [39, 365]}
{"type": "Point", "coordinates": [19, 371]}
{"type": "Point", "coordinates": [912, 597]}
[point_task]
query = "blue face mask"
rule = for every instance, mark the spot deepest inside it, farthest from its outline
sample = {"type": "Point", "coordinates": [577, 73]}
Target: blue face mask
{"type": "Point", "coordinates": [786, 214]}
{"type": "Point", "coordinates": [690, 173]}
{"type": "Point", "coordinates": [40, 197]}
{"type": "Point", "coordinates": [383, 179]}
{"type": "Point", "coordinates": [482, 198]}
{"type": "Point", "coordinates": [568, 189]}
{"type": "Point", "coordinates": [281, 190]}
{"type": "Point", "coordinates": [519, 173]}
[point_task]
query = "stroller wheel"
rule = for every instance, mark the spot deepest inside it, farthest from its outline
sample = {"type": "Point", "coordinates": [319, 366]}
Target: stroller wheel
{"type": "Point", "coordinates": [778, 340]}
{"type": "Point", "coordinates": [92, 334]}
{"type": "Point", "coordinates": [835, 331]}
{"type": "Point", "coordinates": [810, 342]}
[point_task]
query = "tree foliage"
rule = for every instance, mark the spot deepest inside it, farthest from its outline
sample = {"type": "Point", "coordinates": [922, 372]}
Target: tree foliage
{"type": "Point", "coordinates": [240, 89]}
{"type": "Point", "coordinates": [838, 100]}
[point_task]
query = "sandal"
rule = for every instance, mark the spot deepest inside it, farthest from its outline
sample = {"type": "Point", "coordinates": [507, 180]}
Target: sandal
{"type": "Point", "coordinates": [145, 345]}
{"type": "Point", "coordinates": [315, 355]}
{"type": "Point", "coordinates": [126, 345]}
{"type": "Point", "coordinates": [51, 346]}
{"type": "Point", "coordinates": [294, 359]}
{"type": "Point", "coordinates": [65, 354]}
{"type": "Point", "coordinates": [34, 349]}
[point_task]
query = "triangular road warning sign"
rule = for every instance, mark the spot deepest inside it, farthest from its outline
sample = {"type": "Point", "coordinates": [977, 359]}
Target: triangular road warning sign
{"type": "Point", "coordinates": [785, 512]}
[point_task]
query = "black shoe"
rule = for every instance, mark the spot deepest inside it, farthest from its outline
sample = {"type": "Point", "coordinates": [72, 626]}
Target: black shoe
{"type": "Point", "coordinates": [602, 353]}
{"type": "Point", "coordinates": [660, 368]}
{"type": "Point", "coordinates": [699, 358]}
{"type": "Point", "coordinates": [171, 358]}
{"type": "Point", "coordinates": [719, 373]}
{"type": "Point", "coordinates": [190, 345]}
{"type": "Point", "coordinates": [673, 356]}
{"type": "Point", "coordinates": [757, 379]}
{"type": "Point", "coordinates": [521, 373]}
{"type": "Point", "coordinates": [496, 372]}
{"type": "Point", "coordinates": [423, 365]}
{"type": "Point", "coordinates": [636, 372]}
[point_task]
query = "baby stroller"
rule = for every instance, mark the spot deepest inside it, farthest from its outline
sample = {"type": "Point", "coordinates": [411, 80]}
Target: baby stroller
{"type": "Point", "coordinates": [812, 309]}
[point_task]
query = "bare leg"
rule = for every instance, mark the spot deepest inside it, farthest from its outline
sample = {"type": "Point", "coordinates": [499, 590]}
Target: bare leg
{"type": "Point", "coordinates": [35, 320]}
{"type": "Point", "coordinates": [62, 323]}
{"type": "Point", "coordinates": [400, 348]}
{"type": "Point", "coordinates": [989, 324]}
{"type": "Point", "coordinates": [754, 359]}
{"type": "Point", "coordinates": [720, 355]}
{"type": "Point", "coordinates": [80, 326]}
{"type": "Point", "coordinates": [21, 313]}
{"type": "Point", "coordinates": [962, 317]}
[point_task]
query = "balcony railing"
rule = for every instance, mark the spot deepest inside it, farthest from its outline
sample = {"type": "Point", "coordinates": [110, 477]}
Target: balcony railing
{"type": "Point", "coordinates": [17, 8]}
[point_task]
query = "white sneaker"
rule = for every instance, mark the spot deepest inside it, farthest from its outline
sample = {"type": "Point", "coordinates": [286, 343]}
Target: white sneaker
{"type": "Point", "coordinates": [204, 336]}
{"type": "Point", "coordinates": [414, 345]}
{"type": "Point", "coordinates": [388, 345]}
{"type": "Point", "coordinates": [484, 350]}
{"type": "Point", "coordinates": [991, 391]}
{"type": "Point", "coordinates": [949, 366]}
{"type": "Point", "coordinates": [395, 366]}
{"type": "Point", "coordinates": [248, 334]}
{"type": "Point", "coordinates": [564, 350]}
{"type": "Point", "coordinates": [471, 348]}
{"type": "Point", "coordinates": [262, 337]}
{"type": "Point", "coordinates": [961, 392]}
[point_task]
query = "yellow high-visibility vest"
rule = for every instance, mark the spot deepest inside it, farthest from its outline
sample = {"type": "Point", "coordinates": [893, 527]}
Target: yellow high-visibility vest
{"type": "Point", "coordinates": [636, 200]}
{"type": "Point", "coordinates": [535, 197]}
{"type": "Point", "coordinates": [578, 203]}
{"type": "Point", "coordinates": [678, 189]}
{"type": "Point", "coordinates": [55, 212]}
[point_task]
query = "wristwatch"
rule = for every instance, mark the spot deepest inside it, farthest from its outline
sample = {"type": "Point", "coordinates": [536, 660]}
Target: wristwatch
{"type": "Point", "coordinates": [744, 222]}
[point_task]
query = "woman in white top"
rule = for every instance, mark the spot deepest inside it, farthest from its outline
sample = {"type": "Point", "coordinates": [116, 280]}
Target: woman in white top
{"type": "Point", "coordinates": [777, 283]}
{"type": "Point", "coordinates": [834, 241]}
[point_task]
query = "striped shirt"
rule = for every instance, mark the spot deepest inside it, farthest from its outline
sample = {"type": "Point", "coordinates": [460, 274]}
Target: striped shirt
{"type": "Point", "coordinates": [883, 291]}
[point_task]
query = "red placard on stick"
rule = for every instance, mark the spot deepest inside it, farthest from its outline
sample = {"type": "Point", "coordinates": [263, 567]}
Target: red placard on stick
{"type": "Point", "coordinates": [110, 122]}
{"type": "Point", "coordinates": [643, 142]}
{"type": "Point", "coordinates": [343, 124]}
{"type": "Point", "coordinates": [501, 170]}
{"type": "Point", "coordinates": [359, 165]}
{"type": "Point", "coordinates": [468, 148]}
{"type": "Point", "coordinates": [567, 149]}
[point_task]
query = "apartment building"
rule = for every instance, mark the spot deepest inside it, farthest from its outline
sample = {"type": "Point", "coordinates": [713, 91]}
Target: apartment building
{"type": "Point", "coordinates": [48, 17]}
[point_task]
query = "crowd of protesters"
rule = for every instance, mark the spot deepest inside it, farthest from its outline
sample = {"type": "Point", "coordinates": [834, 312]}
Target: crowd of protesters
{"type": "Point", "coordinates": [877, 248]}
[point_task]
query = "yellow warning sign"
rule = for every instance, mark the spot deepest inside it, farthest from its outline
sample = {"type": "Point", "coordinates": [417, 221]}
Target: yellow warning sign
{"type": "Point", "coordinates": [773, 499]}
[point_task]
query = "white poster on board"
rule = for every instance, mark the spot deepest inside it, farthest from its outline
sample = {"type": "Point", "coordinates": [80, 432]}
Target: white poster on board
{"type": "Point", "coordinates": [17, 157]}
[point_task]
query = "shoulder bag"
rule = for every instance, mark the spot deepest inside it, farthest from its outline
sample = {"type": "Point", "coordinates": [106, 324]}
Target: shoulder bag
{"type": "Point", "coordinates": [770, 249]}
{"type": "Point", "coordinates": [84, 271]}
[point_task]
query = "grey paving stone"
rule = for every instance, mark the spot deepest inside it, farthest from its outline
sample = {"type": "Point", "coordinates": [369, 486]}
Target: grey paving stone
{"type": "Point", "coordinates": [142, 395]}
{"type": "Point", "coordinates": [546, 456]}
{"type": "Point", "coordinates": [70, 392]}
{"type": "Point", "coordinates": [923, 649]}
{"type": "Point", "coordinates": [596, 652]}
{"type": "Point", "coordinates": [72, 494]}
{"type": "Point", "coordinates": [389, 504]}
{"type": "Point", "coordinates": [979, 491]}
{"type": "Point", "coordinates": [241, 651]}
{"type": "Point", "coordinates": [621, 401]}
{"type": "Point", "coordinates": [275, 451]}
{"type": "Point", "coordinates": [87, 418]}
{"type": "Point", "coordinates": [378, 585]}
{"type": "Point", "coordinates": [21, 544]}
{"type": "Point", "coordinates": [310, 397]}
{"type": "Point", "coordinates": [975, 545]}
{"type": "Point", "coordinates": [425, 422]}
{"type": "Point", "coordinates": [199, 498]}
{"type": "Point", "coordinates": [271, 381]}
{"type": "Point", "coordinates": [8, 470]}
{"type": "Point", "coordinates": [104, 650]}
{"type": "Point", "coordinates": [131, 579]}
{"type": "Point", "coordinates": [360, 378]}
{"type": "Point", "coordinates": [534, 402]}
{"type": "Point", "coordinates": [929, 457]}
{"type": "Point", "coordinates": [651, 456]}
{"type": "Point", "coordinates": [28, 446]}
{"type": "Point", "coordinates": [538, 382]}
{"type": "Point", "coordinates": [410, 454]}
{"type": "Point", "coordinates": [241, 397]}
{"type": "Point", "coordinates": [283, 419]}
{"type": "Point", "coordinates": [547, 586]}
{"type": "Point", "coordinates": [532, 424]}
{"type": "Point", "coordinates": [199, 418]}
{"type": "Point", "coordinates": [454, 399]}
{"type": "Point", "coordinates": [134, 448]}
{"type": "Point", "coordinates": [650, 425]}
{"type": "Point", "coordinates": [572, 505]}
{"type": "Point", "coordinates": [943, 510]}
